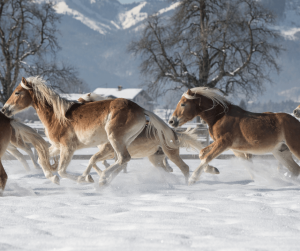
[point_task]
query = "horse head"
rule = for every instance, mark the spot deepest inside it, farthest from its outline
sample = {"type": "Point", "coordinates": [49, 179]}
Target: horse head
{"type": "Point", "coordinates": [19, 100]}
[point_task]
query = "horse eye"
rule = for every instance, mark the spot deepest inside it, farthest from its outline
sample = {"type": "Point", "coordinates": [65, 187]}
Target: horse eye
{"type": "Point", "coordinates": [182, 104]}
{"type": "Point", "coordinates": [17, 93]}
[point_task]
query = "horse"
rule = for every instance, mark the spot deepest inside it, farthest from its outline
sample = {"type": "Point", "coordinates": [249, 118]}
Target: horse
{"type": "Point", "coordinates": [17, 134]}
{"type": "Point", "coordinates": [242, 131]}
{"type": "Point", "coordinates": [297, 112]}
{"type": "Point", "coordinates": [70, 126]}
{"type": "Point", "coordinates": [149, 146]}
{"type": "Point", "coordinates": [13, 150]}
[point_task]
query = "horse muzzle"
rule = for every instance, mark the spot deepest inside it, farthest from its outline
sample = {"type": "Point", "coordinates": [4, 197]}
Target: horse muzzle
{"type": "Point", "coordinates": [297, 113]}
{"type": "Point", "coordinates": [174, 122]}
{"type": "Point", "coordinates": [6, 111]}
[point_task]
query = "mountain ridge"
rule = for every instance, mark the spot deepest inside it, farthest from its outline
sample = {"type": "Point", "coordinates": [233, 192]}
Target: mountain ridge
{"type": "Point", "coordinates": [95, 35]}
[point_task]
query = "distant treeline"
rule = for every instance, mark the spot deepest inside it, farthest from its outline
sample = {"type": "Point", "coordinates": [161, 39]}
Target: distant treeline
{"type": "Point", "coordinates": [287, 106]}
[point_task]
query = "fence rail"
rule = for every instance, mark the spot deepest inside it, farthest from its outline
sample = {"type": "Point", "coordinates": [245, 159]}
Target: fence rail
{"type": "Point", "coordinates": [201, 131]}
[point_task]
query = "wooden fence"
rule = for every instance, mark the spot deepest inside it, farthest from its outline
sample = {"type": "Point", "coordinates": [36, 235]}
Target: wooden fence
{"type": "Point", "coordinates": [202, 133]}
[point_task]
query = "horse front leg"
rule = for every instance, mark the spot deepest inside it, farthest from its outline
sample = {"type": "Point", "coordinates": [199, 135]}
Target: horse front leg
{"type": "Point", "coordinates": [3, 178]}
{"type": "Point", "coordinates": [216, 148]}
{"type": "Point", "coordinates": [66, 155]}
{"type": "Point", "coordinates": [106, 151]}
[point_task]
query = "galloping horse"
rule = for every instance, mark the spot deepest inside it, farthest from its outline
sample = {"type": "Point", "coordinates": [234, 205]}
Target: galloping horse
{"type": "Point", "coordinates": [297, 112]}
{"type": "Point", "coordinates": [233, 128]}
{"type": "Point", "coordinates": [71, 126]}
{"type": "Point", "coordinates": [17, 134]}
{"type": "Point", "coordinates": [149, 146]}
{"type": "Point", "coordinates": [13, 150]}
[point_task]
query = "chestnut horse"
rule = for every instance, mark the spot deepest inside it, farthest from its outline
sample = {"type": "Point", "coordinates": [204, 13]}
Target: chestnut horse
{"type": "Point", "coordinates": [243, 132]}
{"type": "Point", "coordinates": [17, 134]}
{"type": "Point", "coordinates": [149, 146]}
{"type": "Point", "coordinates": [297, 112]}
{"type": "Point", "coordinates": [71, 126]}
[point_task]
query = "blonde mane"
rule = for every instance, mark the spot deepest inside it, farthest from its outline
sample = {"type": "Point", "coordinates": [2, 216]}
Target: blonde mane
{"type": "Point", "coordinates": [46, 94]}
{"type": "Point", "coordinates": [209, 93]}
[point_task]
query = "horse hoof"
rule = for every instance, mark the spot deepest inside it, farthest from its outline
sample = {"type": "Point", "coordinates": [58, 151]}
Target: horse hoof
{"type": "Point", "coordinates": [89, 179]}
{"type": "Point", "coordinates": [102, 182]}
{"type": "Point", "coordinates": [216, 171]}
{"type": "Point", "coordinates": [81, 179]}
{"type": "Point", "coordinates": [170, 169]}
{"type": "Point", "coordinates": [192, 182]}
{"type": "Point", "coordinates": [55, 179]}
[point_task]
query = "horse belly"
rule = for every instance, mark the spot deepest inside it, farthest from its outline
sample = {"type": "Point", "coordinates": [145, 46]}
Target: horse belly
{"type": "Point", "coordinates": [142, 147]}
{"type": "Point", "coordinates": [90, 138]}
{"type": "Point", "coordinates": [256, 146]}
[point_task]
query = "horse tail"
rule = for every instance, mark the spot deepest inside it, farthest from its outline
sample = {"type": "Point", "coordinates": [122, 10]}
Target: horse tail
{"type": "Point", "coordinates": [188, 139]}
{"type": "Point", "coordinates": [161, 131]}
{"type": "Point", "coordinates": [27, 134]}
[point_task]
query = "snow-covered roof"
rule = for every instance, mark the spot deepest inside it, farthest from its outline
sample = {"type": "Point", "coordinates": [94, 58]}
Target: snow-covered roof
{"type": "Point", "coordinates": [129, 93]}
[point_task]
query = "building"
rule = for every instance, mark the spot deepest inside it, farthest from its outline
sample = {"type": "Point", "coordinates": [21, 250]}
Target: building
{"type": "Point", "coordinates": [138, 96]}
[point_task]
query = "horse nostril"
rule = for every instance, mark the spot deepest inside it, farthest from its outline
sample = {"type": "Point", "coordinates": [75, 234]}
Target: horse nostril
{"type": "Point", "coordinates": [295, 111]}
{"type": "Point", "coordinates": [171, 122]}
{"type": "Point", "coordinates": [3, 110]}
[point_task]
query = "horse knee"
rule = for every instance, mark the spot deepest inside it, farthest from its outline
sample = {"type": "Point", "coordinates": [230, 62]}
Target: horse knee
{"type": "Point", "coordinates": [124, 159]}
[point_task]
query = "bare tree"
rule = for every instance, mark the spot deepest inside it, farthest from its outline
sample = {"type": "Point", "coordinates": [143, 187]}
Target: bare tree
{"type": "Point", "coordinates": [27, 40]}
{"type": "Point", "coordinates": [222, 44]}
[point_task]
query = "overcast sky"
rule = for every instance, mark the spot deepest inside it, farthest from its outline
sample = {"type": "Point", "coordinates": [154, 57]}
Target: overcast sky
{"type": "Point", "coordinates": [129, 1]}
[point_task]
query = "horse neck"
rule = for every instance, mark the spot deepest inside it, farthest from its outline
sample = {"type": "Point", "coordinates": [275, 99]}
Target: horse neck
{"type": "Point", "coordinates": [45, 112]}
{"type": "Point", "coordinates": [211, 115]}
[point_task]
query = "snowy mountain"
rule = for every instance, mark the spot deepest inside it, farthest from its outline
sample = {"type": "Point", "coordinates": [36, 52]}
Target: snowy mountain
{"type": "Point", "coordinates": [95, 34]}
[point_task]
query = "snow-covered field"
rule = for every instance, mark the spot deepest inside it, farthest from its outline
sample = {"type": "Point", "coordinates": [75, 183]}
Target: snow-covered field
{"type": "Point", "coordinates": [149, 210]}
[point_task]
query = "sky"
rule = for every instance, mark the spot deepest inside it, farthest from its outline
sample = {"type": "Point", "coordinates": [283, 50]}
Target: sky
{"type": "Point", "coordinates": [129, 1]}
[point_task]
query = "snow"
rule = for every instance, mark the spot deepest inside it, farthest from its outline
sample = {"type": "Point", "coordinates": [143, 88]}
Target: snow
{"type": "Point", "coordinates": [62, 8]}
{"type": "Point", "coordinates": [171, 7]}
{"type": "Point", "coordinates": [128, 93]}
{"type": "Point", "coordinates": [148, 210]}
{"type": "Point", "coordinates": [133, 16]}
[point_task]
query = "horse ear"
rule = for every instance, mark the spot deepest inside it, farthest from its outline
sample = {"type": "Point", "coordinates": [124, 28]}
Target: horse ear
{"type": "Point", "coordinates": [189, 92]}
{"type": "Point", "coordinates": [25, 83]}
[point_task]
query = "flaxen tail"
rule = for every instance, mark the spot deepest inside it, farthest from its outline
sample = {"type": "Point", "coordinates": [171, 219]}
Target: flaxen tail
{"type": "Point", "coordinates": [27, 134]}
{"type": "Point", "coordinates": [161, 130]}
{"type": "Point", "coordinates": [188, 139]}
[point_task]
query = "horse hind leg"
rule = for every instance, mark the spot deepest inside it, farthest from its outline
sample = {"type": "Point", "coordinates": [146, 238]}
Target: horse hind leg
{"type": "Point", "coordinates": [173, 155]}
{"type": "Point", "coordinates": [106, 151]}
{"type": "Point", "coordinates": [283, 154]}
{"type": "Point", "coordinates": [248, 159]}
{"type": "Point", "coordinates": [27, 149]}
{"type": "Point", "coordinates": [120, 141]}
{"type": "Point", "coordinates": [19, 156]}
{"type": "Point", "coordinates": [4, 142]}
